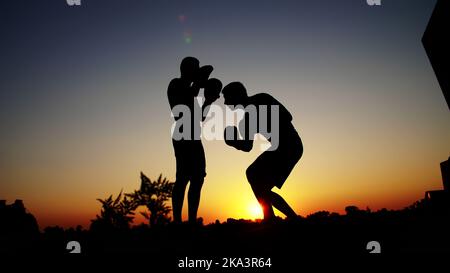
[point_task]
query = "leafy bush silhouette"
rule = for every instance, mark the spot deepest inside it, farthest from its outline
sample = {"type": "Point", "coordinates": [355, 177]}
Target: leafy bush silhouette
{"type": "Point", "coordinates": [116, 213]}
{"type": "Point", "coordinates": [154, 196]}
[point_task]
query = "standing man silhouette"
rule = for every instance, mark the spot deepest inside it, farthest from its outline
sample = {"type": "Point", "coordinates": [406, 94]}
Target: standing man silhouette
{"type": "Point", "coordinates": [189, 153]}
{"type": "Point", "coordinates": [272, 167]}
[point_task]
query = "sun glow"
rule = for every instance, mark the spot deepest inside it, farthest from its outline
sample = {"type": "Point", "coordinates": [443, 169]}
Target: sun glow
{"type": "Point", "coordinates": [255, 211]}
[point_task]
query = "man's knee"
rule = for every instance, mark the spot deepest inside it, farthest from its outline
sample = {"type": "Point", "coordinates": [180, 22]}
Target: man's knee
{"type": "Point", "coordinates": [180, 183]}
{"type": "Point", "coordinates": [251, 175]}
{"type": "Point", "coordinates": [255, 181]}
{"type": "Point", "coordinates": [254, 176]}
{"type": "Point", "coordinates": [196, 183]}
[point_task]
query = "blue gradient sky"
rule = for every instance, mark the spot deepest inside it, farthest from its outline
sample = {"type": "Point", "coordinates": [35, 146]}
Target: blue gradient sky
{"type": "Point", "coordinates": [84, 108]}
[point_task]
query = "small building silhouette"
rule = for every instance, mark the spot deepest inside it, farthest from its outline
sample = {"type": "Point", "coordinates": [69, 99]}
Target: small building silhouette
{"type": "Point", "coordinates": [439, 200]}
{"type": "Point", "coordinates": [14, 219]}
{"type": "Point", "coordinates": [445, 170]}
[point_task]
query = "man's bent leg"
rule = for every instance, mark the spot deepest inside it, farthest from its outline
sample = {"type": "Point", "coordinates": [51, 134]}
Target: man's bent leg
{"type": "Point", "coordinates": [261, 191]}
{"type": "Point", "coordinates": [280, 204]}
{"type": "Point", "coordinates": [264, 200]}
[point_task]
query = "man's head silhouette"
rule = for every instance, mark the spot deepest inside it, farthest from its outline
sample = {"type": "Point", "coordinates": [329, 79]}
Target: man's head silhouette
{"type": "Point", "coordinates": [235, 94]}
{"type": "Point", "coordinates": [189, 68]}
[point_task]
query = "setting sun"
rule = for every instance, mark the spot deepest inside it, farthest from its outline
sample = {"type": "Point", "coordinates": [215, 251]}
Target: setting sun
{"type": "Point", "coordinates": [254, 210]}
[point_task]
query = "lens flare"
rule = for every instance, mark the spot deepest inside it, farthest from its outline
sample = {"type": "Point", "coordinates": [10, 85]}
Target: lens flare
{"type": "Point", "coordinates": [187, 34]}
{"type": "Point", "coordinates": [181, 18]}
{"type": "Point", "coordinates": [187, 37]}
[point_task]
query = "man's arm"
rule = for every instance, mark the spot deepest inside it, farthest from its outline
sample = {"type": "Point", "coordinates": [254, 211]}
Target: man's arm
{"type": "Point", "coordinates": [211, 93]}
{"type": "Point", "coordinates": [204, 107]}
{"type": "Point", "coordinates": [232, 139]}
{"type": "Point", "coordinates": [244, 145]}
{"type": "Point", "coordinates": [173, 93]}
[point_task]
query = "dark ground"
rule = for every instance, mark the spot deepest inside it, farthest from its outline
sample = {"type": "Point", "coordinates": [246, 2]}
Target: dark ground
{"type": "Point", "coordinates": [418, 231]}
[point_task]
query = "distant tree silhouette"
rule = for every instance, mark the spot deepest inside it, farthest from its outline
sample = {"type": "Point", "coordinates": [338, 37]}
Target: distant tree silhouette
{"type": "Point", "coordinates": [319, 215]}
{"type": "Point", "coordinates": [115, 213]}
{"type": "Point", "coordinates": [15, 219]}
{"type": "Point", "coordinates": [352, 210]}
{"type": "Point", "coordinates": [355, 211]}
{"type": "Point", "coordinates": [154, 195]}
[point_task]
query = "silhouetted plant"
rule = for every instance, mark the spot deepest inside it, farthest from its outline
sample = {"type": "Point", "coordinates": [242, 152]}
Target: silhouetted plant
{"type": "Point", "coordinates": [119, 213]}
{"type": "Point", "coordinates": [115, 213]}
{"type": "Point", "coordinates": [154, 195]}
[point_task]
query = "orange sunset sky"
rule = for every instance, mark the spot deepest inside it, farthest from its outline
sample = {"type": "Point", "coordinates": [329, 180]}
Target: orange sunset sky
{"type": "Point", "coordinates": [84, 106]}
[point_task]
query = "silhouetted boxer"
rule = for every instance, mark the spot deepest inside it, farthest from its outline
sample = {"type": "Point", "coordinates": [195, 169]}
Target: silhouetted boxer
{"type": "Point", "coordinates": [189, 153]}
{"type": "Point", "coordinates": [273, 166]}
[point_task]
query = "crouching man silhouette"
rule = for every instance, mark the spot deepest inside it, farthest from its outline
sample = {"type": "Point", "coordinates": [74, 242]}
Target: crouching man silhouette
{"type": "Point", "coordinates": [274, 165]}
